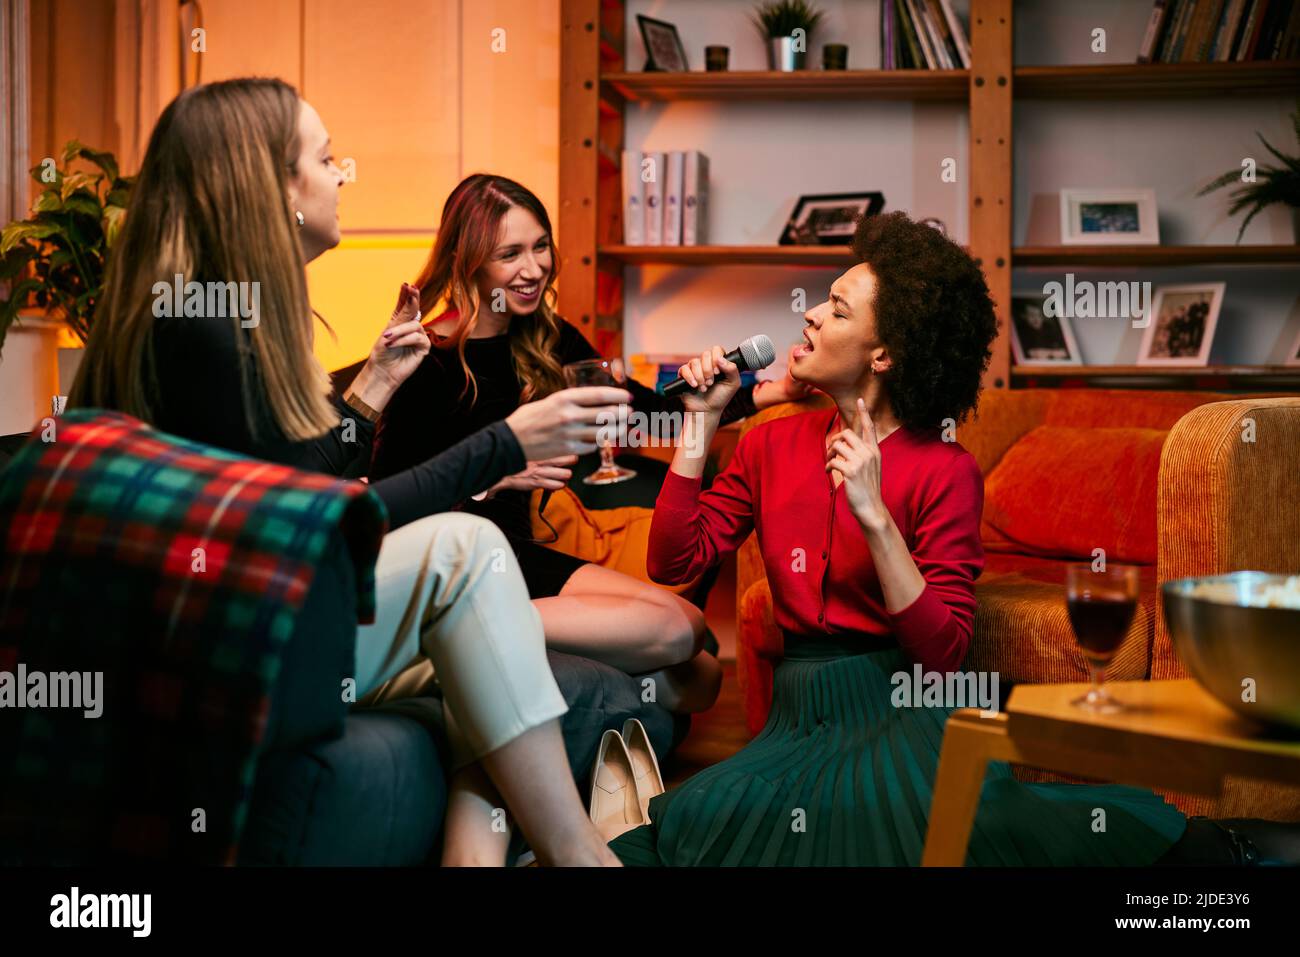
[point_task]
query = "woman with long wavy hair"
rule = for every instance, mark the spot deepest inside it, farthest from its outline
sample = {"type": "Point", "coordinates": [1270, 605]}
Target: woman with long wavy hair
{"type": "Point", "coordinates": [498, 346]}
{"type": "Point", "coordinates": [238, 187]}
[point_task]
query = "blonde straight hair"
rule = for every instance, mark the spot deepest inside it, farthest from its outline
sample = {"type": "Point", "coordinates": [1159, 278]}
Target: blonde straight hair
{"type": "Point", "coordinates": [467, 234]}
{"type": "Point", "coordinates": [211, 204]}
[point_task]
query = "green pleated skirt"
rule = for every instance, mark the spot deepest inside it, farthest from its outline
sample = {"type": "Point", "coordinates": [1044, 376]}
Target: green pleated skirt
{"type": "Point", "coordinates": [841, 777]}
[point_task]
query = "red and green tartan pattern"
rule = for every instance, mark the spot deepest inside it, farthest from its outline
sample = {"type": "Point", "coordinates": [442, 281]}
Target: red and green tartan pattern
{"type": "Point", "coordinates": [100, 573]}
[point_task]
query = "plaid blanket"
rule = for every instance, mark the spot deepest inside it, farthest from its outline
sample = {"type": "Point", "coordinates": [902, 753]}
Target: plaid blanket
{"type": "Point", "coordinates": [175, 571]}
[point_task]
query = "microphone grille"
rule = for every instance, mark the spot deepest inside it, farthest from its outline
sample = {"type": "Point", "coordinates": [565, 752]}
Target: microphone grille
{"type": "Point", "coordinates": [758, 352]}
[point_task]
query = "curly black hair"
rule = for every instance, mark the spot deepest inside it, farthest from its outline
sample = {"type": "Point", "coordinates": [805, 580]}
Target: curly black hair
{"type": "Point", "coordinates": [934, 315]}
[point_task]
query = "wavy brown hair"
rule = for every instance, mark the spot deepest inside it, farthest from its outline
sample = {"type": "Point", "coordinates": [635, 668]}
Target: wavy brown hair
{"type": "Point", "coordinates": [212, 205]}
{"type": "Point", "coordinates": [471, 222]}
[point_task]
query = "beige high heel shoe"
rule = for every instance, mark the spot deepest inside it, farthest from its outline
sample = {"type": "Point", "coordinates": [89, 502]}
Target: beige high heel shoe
{"type": "Point", "coordinates": [645, 766]}
{"type": "Point", "coordinates": [614, 805]}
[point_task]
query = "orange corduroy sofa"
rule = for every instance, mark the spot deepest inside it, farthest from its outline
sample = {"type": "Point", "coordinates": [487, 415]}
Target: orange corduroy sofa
{"type": "Point", "coordinates": [1179, 483]}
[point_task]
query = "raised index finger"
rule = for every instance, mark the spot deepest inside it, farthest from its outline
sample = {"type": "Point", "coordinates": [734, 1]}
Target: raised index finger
{"type": "Point", "coordinates": [866, 427]}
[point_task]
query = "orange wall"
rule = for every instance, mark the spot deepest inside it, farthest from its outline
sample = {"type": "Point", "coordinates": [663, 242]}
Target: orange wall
{"type": "Point", "coordinates": [411, 90]}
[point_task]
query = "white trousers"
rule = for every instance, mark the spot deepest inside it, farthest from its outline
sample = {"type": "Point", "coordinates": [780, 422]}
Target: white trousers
{"type": "Point", "coordinates": [452, 606]}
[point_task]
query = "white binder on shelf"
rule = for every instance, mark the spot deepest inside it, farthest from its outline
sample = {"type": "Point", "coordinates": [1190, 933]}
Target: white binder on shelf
{"type": "Point", "coordinates": [672, 232]}
{"type": "Point", "coordinates": [633, 200]}
{"type": "Point", "coordinates": [652, 181]}
{"type": "Point", "coordinates": [695, 199]}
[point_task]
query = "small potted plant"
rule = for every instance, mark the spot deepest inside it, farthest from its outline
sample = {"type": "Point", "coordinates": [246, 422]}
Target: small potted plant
{"type": "Point", "coordinates": [788, 26]}
{"type": "Point", "coordinates": [1272, 184]}
{"type": "Point", "coordinates": [52, 265]}
{"type": "Point", "coordinates": [56, 256]}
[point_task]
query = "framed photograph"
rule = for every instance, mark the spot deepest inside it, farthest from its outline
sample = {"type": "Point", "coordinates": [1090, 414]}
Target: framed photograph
{"type": "Point", "coordinates": [1100, 217]}
{"type": "Point", "coordinates": [663, 47]}
{"type": "Point", "coordinates": [829, 219]}
{"type": "Point", "coordinates": [1039, 339]}
{"type": "Point", "coordinates": [1182, 324]}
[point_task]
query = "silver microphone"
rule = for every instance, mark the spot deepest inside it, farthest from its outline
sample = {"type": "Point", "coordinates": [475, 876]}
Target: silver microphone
{"type": "Point", "coordinates": [756, 352]}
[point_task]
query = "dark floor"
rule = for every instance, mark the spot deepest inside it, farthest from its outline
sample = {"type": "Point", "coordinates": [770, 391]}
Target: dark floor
{"type": "Point", "coordinates": [715, 735]}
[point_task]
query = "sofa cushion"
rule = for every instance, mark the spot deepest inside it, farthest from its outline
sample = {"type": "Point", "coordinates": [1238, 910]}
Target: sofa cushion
{"type": "Point", "coordinates": [1023, 629]}
{"type": "Point", "coordinates": [374, 796]}
{"type": "Point", "coordinates": [1063, 491]}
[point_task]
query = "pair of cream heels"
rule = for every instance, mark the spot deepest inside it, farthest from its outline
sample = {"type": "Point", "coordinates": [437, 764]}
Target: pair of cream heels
{"type": "Point", "coordinates": [625, 778]}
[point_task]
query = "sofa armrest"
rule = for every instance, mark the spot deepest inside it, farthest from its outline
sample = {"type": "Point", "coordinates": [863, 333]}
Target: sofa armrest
{"type": "Point", "coordinates": [1227, 498]}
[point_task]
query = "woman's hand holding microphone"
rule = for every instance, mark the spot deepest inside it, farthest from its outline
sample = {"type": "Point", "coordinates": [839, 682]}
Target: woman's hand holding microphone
{"type": "Point", "coordinates": [714, 381]}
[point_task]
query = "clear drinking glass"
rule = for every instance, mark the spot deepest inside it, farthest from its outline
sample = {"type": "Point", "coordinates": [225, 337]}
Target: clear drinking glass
{"type": "Point", "coordinates": [1101, 605]}
{"type": "Point", "coordinates": [601, 372]}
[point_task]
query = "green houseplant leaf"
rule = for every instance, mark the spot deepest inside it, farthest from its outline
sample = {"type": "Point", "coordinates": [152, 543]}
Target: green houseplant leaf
{"type": "Point", "coordinates": [780, 18]}
{"type": "Point", "coordinates": [1272, 184]}
{"type": "Point", "coordinates": [55, 258]}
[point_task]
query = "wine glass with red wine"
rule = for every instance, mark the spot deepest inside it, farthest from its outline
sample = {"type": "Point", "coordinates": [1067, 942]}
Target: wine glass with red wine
{"type": "Point", "coordinates": [1101, 605]}
{"type": "Point", "coordinates": [601, 372]}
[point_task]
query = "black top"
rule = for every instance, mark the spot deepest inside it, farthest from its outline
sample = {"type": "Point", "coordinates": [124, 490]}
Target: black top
{"type": "Point", "coordinates": [199, 397]}
{"type": "Point", "coordinates": [428, 415]}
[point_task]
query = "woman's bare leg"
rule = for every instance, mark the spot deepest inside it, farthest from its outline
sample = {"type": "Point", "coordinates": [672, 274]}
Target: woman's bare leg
{"type": "Point", "coordinates": [546, 804]}
{"type": "Point", "coordinates": [687, 688]}
{"type": "Point", "coordinates": [638, 628]}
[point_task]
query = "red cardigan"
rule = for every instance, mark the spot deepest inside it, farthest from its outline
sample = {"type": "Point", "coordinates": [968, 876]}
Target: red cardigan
{"type": "Point", "coordinates": [818, 564]}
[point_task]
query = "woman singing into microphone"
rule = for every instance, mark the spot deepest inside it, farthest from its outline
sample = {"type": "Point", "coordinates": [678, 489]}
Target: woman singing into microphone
{"type": "Point", "coordinates": [886, 515]}
{"type": "Point", "coordinates": [495, 249]}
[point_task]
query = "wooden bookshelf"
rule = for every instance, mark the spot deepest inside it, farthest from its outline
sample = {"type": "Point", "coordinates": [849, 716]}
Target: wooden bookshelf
{"type": "Point", "coordinates": [1180, 377]}
{"type": "Point", "coordinates": [1158, 80]}
{"type": "Point", "coordinates": [1105, 81]}
{"type": "Point", "coordinates": [942, 85]}
{"type": "Point", "coordinates": [596, 88]}
{"type": "Point", "coordinates": [729, 255]}
{"type": "Point", "coordinates": [1253, 255]}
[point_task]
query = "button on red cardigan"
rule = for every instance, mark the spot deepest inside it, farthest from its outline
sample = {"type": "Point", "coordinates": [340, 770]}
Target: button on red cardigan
{"type": "Point", "coordinates": [819, 567]}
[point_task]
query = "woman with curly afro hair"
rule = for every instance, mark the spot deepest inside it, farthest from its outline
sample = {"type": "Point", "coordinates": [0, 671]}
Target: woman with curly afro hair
{"type": "Point", "coordinates": [868, 521]}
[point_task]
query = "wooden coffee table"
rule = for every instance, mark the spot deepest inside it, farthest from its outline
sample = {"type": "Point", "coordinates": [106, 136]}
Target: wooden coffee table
{"type": "Point", "coordinates": [1174, 735]}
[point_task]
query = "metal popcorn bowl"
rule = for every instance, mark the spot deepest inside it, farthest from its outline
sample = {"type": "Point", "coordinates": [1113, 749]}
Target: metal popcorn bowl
{"type": "Point", "coordinates": [1224, 635]}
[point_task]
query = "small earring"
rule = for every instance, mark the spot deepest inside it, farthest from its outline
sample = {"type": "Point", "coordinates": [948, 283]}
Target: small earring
{"type": "Point", "coordinates": [302, 220]}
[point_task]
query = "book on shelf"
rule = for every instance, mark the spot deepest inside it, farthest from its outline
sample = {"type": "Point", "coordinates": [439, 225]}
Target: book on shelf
{"type": "Point", "coordinates": [668, 205]}
{"type": "Point", "coordinates": [1221, 31]}
{"type": "Point", "coordinates": [957, 33]}
{"type": "Point", "coordinates": [633, 199]}
{"type": "Point", "coordinates": [654, 198]}
{"type": "Point", "coordinates": [695, 199]}
{"type": "Point", "coordinates": [672, 229]}
{"type": "Point", "coordinates": [922, 35]}
{"type": "Point", "coordinates": [888, 37]}
{"type": "Point", "coordinates": [1155, 23]}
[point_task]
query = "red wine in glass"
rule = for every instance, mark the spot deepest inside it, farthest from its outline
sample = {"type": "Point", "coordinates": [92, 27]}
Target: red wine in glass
{"type": "Point", "coordinates": [1101, 603]}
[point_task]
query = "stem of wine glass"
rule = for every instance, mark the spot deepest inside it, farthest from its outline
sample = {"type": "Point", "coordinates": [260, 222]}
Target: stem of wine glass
{"type": "Point", "coordinates": [1098, 676]}
{"type": "Point", "coordinates": [606, 455]}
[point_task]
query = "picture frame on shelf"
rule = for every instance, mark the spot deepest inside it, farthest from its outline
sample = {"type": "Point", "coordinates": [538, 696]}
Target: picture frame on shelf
{"type": "Point", "coordinates": [1109, 217]}
{"type": "Point", "coordinates": [1040, 339]}
{"type": "Point", "coordinates": [663, 46]}
{"type": "Point", "coordinates": [828, 219]}
{"type": "Point", "coordinates": [1181, 325]}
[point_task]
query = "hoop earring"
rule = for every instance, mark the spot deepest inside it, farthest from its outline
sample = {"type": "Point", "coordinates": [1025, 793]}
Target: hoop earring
{"type": "Point", "coordinates": [302, 220]}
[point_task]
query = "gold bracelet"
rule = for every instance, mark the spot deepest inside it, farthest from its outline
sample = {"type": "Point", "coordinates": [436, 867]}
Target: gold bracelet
{"type": "Point", "coordinates": [360, 406]}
